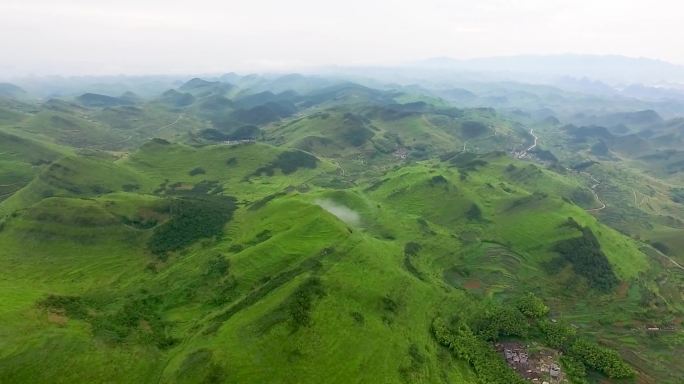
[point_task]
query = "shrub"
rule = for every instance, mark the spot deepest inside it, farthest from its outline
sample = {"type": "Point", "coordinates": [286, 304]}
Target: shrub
{"type": "Point", "coordinates": [218, 266]}
{"type": "Point", "coordinates": [501, 321]}
{"type": "Point", "coordinates": [197, 171]}
{"type": "Point", "coordinates": [301, 302]}
{"type": "Point", "coordinates": [574, 370]}
{"type": "Point", "coordinates": [73, 306]}
{"type": "Point", "coordinates": [532, 306]}
{"type": "Point", "coordinates": [412, 248]}
{"type": "Point", "coordinates": [677, 195]}
{"type": "Point", "coordinates": [474, 213]}
{"type": "Point", "coordinates": [557, 335]}
{"type": "Point", "coordinates": [437, 180]}
{"type": "Point", "coordinates": [601, 359]}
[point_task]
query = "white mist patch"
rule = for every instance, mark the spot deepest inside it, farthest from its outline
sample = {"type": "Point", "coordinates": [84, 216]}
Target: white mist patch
{"type": "Point", "coordinates": [342, 212]}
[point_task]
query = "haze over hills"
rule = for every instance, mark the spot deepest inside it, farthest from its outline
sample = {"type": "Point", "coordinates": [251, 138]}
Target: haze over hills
{"type": "Point", "coordinates": [612, 69]}
{"type": "Point", "coordinates": [313, 228]}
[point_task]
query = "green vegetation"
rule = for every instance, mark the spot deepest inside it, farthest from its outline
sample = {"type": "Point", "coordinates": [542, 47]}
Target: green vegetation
{"type": "Point", "coordinates": [302, 230]}
{"type": "Point", "coordinates": [601, 359]}
{"type": "Point", "coordinates": [575, 370]}
{"type": "Point", "coordinates": [288, 162]}
{"type": "Point", "coordinates": [461, 341]}
{"type": "Point", "coordinates": [532, 306]}
{"type": "Point", "coordinates": [588, 260]}
{"type": "Point", "coordinates": [190, 219]}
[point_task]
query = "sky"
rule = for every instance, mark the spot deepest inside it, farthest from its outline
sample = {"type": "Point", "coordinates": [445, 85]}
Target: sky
{"type": "Point", "coordinates": [97, 37]}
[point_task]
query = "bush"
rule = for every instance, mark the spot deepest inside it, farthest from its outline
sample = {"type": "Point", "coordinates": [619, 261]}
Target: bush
{"type": "Point", "coordinates": [197, 171]}
{"type": "Point", "coordinates": [532, 306]}
{"type": "Point", "coordinates": [73, 306]}
{"type": "Point", "coordinates": [437, 180]}
{"type": "Point", "coordinates": [474, 213]}
{"type": "Point", "coordinates": [412, 248]}
{"type": "Point", "coordinates": [574, 370]}
{"type": "Point", "coordinates": [218, 266]}
{"type": "Point", "coordinates": [557, 335]}
{"type": "Point", "coordinates": [601, 359]}
{"type": "Point", "coordinates": [501, 321]}
{"type": "Point", "coordinates": [677, 195]}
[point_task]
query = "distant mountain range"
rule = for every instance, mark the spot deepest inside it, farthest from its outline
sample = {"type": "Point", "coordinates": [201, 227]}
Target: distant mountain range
{"type": "Point", "coordinates": [611, 69]}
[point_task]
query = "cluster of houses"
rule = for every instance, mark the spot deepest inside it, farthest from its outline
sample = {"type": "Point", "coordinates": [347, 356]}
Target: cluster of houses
{"type": "Point", "coordinates": [401, 153]}
{"type": "Point", "coordinates": [235, 142]}
{"type": "Point", "coordinates": [516, 357]}
{"type": "Point", "coordinates": [536, 369]}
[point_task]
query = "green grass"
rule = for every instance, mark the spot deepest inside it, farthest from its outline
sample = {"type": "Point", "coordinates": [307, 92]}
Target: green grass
{"type": "Point", "coordinates": [331, 265]}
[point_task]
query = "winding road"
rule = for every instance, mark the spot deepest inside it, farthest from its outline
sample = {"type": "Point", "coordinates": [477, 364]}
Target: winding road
{"type": "Point", "coordinates": [536, 139]}
{"type": "Point", "coordinates": [593, 190]}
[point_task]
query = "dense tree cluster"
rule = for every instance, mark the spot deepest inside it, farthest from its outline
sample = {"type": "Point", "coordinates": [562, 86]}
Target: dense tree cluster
{"type": "Point", "coordinates": [601, 359]}
{"type": "Point", "coordinates": [470, 339]}
{"type": "Point", "coordinates": [471, 129]}
{"type": "Point", "coordinates": [588, 260]}
{"type": "Point", "coordinates": [191, 219]}
{"type": "Point", "coordinates": [501, 321]}
{"type": "Point", "coordinates": [289, 162]}
{"type": "Point", "coordinates": [584, 352]}
{"type": "Point", "coordinates": [120, 325]}
{"type": "Point", "coordinates": [464, 344]}
{"type": "Point", "coordinates": [301, 302]}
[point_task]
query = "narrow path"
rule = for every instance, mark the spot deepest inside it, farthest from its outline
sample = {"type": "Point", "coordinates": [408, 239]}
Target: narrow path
{"type": "Point", "coordinates": [636, 203]}
{"type": "Point", "coordinates": [674, 262]}
{"type": "Point", "coordinates": [8, 194]}
{"type": "Point", "coordinates": [337, 163]}
{"type": "Point", "coordinates": [180, 116]}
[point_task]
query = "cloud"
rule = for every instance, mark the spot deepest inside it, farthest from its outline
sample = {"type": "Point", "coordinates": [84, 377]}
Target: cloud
{"type": "Point", "coordinates": [343, 213]}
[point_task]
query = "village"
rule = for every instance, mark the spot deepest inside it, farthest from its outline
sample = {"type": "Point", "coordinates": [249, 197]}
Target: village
{"type": "Point", "coordinates": [540, 366]}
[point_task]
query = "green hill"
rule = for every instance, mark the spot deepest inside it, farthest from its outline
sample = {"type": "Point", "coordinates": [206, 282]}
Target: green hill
{"type": "Point", "coordinates": [335, 234]}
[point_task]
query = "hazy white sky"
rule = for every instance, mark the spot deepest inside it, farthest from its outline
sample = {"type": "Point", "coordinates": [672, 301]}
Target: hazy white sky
{"type": "Point", "coordinates": [168, 36]}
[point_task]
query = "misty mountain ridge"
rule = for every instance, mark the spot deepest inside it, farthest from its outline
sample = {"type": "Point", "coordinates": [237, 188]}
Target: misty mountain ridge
{"type": "Point", "coordinates": [612, 69]}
